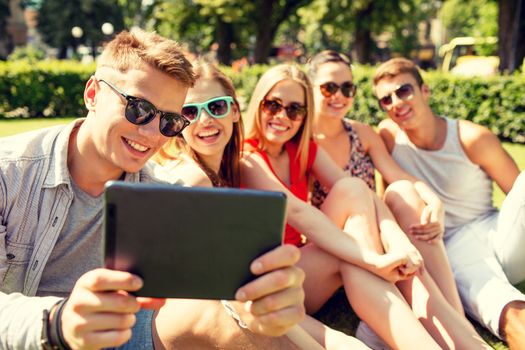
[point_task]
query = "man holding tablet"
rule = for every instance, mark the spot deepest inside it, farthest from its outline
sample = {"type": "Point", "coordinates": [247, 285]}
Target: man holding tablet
{"type": "Point", "coordinates": [53, 293]}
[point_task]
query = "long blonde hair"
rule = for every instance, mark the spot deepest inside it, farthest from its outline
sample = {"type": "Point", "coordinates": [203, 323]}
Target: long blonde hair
{"type": "Point", "coordinates": [267, 81]}
{"type": "Point", "coordinates": [229, 171]}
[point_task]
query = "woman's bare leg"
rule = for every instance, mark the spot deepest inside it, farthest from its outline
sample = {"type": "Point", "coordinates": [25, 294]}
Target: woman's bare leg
{"type": "Point", "coordinates": [376, 301]}
{"type": "Point", "coordinates": [322, 276]}
{"type": "Point", "coordinates": [450, 329]}
{"type": "Point", "coordinates": [329, 338]}
{"type": "Point", "coordinates": [447, 326]}
{"type": "Point", "coordinates": [406, 205]}
{"type": "Point", "coordinates": [350, 205]}
{"type": "Point", "coordinates": [381, 305]}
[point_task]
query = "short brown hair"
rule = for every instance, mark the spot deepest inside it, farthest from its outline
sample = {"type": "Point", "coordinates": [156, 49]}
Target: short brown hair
{"type": "Point", "coordinates": [131, 50]}
{"type": "Point", "coordinates": [395, 67]}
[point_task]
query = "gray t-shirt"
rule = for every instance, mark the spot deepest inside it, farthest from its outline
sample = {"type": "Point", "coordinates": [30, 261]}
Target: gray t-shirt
{"type": "Point", "coordinates": [79, 246]}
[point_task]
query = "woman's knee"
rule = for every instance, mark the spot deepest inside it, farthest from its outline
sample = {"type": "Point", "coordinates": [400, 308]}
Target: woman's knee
{"type": "Point", "coordinates": [350, 187]}
{"type": "Point", "coordinates": [402, 194]}
{"type": "Point", "coordinates": [400, 187]}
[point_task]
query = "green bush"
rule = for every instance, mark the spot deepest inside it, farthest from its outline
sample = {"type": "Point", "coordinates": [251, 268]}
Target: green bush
{"type": "Point", "coordinates": [42, 89]}
{"type": "Point", "coordinates": [496, 102]}
{"type": "Point", "coordinates": [54, 89]}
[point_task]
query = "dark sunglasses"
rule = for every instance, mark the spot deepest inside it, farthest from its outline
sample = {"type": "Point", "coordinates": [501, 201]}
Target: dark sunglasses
{"type": "Point", "coordinates": [294, 111]}
{"type": "Point", "coordinates": [330, 88]}
{"type": "Point", "coordinates": [403, 92]}
{"type": "Point", "coordinates": [140, 111]}
{"type": "Point", "coordinates": [218, 107]}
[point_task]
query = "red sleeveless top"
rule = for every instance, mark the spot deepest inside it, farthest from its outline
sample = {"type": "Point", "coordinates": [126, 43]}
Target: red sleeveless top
{"type": "Point", "coordinates": [298, 182]}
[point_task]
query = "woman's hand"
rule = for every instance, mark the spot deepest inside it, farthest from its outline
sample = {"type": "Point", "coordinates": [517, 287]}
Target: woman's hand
{"type": "Point", "coordinates": [394, 266]}
{"type": "Point", "coordinates": [397, 243]}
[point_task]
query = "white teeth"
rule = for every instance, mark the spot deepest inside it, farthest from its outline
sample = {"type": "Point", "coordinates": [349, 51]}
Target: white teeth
{"type": "Point", "coordinates": [137, 146]}
{"type": "Point", "coordinates": [403, 114]}
{"type": "Point", "coordinates": [278, 127]}
{"type": "Point", "coordinates": [208, 133]}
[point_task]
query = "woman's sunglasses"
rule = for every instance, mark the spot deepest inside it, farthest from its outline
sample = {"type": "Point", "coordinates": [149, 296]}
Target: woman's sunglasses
{"type": "Point", "coordinates": [140, 111]}
{"type": "Point", "coordinates": [330, 88]}
{"type": "Point", "coordinates": [403, 92]}
{"type": "Point", "coordinates": [218, 107]}
{"type": "Point", "coordinates": [294, 111]}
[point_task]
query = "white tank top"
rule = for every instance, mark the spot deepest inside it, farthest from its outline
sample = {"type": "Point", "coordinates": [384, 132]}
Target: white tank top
{"type": "Point", "coordinates": [464, 188]}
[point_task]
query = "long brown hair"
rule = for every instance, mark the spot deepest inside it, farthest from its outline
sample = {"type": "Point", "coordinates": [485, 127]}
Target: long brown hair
{"type": "Point", "coordinates": [229, 171]}
{"type": "Point", "coordinates": [267, 81]}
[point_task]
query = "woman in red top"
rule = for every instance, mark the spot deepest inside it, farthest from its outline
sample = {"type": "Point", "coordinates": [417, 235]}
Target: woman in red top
{"type": "Point", "coordinates": [279, 155]}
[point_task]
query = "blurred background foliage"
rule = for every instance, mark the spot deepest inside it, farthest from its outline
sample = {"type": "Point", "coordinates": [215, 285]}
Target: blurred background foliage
{"type": "Point", "coordinates": [54, 89]}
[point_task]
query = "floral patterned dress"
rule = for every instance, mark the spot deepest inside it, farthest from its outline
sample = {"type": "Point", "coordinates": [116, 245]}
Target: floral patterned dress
{"type": "Point", "coordinates": [359, 165]}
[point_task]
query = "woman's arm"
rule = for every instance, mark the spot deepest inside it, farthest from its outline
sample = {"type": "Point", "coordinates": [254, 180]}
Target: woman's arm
{"type": "Point", "coordinates": [383, 161]}
{"type": "Point", "coordinates": [316, 226]}
{"type": "Point", "coordinates": [325, 169]}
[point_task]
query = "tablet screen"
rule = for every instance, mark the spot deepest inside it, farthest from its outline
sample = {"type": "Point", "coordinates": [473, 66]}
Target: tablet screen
{"type": "Point", "coordinates": [189, 242]}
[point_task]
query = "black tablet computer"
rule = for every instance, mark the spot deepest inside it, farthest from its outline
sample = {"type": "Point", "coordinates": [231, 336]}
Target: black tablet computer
{"type": "Point", "coordinates": [189, 242]}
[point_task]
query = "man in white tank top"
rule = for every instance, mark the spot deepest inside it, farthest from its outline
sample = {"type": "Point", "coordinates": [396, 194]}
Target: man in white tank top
{"type": "Point", "coordinates": [459, 160]}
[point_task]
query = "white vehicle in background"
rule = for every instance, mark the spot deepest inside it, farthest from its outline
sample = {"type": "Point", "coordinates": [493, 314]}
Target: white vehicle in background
{"type": "Point", "coordinates": [470, 56]}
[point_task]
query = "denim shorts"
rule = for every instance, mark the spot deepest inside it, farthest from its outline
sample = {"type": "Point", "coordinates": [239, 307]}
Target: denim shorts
{"type": "Point", "coordinates": [142, 338]}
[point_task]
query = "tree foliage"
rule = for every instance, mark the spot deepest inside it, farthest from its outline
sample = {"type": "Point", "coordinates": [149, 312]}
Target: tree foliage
{"type": "Point", "coordinates": [477, 18]}
{"type": "Point", "coordinates": [239, 27]}
{"type": "Point", "coordinates": [359, 26]}
{"type": "Point", "coordinates": [56, 19]}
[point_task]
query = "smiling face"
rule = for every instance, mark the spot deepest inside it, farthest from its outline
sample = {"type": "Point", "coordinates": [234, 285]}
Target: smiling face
{"type": "Point", "coordinates": [337, 105]}
{"type": "Point", "coordinates": [278, 129]}
{"type": "Point", "coordinates": [409, 113]}
{"type": "Point", "coordinates": [114, 144]}
{"type": "Point", "coordinates": [209, 136]}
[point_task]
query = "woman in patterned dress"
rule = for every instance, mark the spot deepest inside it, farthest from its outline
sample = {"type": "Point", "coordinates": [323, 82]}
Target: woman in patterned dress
{"type": "Point", "coordinates": [359, 151]}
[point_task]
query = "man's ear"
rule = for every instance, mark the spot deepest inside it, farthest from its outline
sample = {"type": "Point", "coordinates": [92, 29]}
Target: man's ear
{"type": "Point", "coordinates": [426, 91]}
{"type": "Point", "coordinates": [90, 93]}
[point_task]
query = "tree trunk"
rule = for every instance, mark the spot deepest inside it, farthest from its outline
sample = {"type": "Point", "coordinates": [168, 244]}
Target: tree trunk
{"type": "Point", "coordinates": [269, 18]}
{"type": "Point", "coordinates": [225, 38]}
{"type": "Point", "coordinates": [511, 31]}
{"type": "Point", "coordinates": [264, 37]}
{"type": "Point", "coordinates": [363, 44]}
{"type": "Point", "coordinates": [520, 42]}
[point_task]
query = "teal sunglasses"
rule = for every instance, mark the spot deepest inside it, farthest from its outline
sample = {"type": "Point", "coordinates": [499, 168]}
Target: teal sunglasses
{"type": "Point", "coordinates": [218, 107]}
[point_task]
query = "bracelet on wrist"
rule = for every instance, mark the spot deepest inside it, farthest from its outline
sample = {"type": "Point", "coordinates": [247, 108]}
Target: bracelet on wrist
{"type": "Point", "coordinates": [231, 311]}
{"type": "Point", "coordinates": [52, 337]}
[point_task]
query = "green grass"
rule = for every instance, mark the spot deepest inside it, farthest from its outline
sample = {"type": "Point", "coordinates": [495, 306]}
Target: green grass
{"type": "Point", "coordinates": [517, 152]}
{"type": "Point", "coordinates": [15, 126]}
{"type": "Point", "coordinates": [336, 313]}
